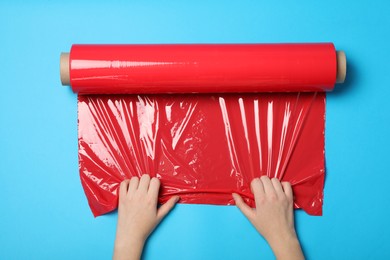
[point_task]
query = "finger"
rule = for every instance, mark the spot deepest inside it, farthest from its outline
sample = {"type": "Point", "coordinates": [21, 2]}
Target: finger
{"type": "Point", "coordinates": [144, 183]}
{"type": "Point", "coordinates": [268, 187]}
{"type": "Point", "coordinates": [133, 185]}
{"type": "Point", "coordinates": [278, 187]}
{"type": "Point", "coordinates": [154, 188]}
{"type": "Point", "coordinates": [257, 189]}
{"type": "Point", "coordinates": [288, 190]}
{"type": "Point", "coordinates": [166, 207]}
{"type": "Point", "coordinates": [123, 188]}
{"type": "Point", "coordinates": [244, 208]}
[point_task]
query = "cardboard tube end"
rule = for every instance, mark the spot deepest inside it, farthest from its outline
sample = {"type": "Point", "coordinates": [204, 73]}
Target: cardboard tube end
{"type": "Point", "coordinates": [341, 66]}
{"type": "Point", "coordinates": [64, 69]}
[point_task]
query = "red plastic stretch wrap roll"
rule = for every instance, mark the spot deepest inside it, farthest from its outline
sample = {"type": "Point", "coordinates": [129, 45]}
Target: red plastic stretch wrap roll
{"type": "Point", "coordinates": [202, 146]}
{"type": "Point", "coordinates": [204, 68]}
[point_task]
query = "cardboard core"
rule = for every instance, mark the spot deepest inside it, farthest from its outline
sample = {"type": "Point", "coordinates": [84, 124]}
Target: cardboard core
{"type": "Point", "coordinates": [64, 69]}
{"type": "Point", "coordinates": [341, 66]}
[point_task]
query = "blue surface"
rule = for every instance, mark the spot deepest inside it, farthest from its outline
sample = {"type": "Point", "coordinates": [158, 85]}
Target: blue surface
{"type": "Point", "coordinates": [44, 213]}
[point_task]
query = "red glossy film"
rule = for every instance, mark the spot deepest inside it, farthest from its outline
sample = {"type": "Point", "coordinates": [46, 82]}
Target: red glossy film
{"type": "Point", "coordinates": [202, 146]}
{"type": "Point", "coordinates": [204, 68]}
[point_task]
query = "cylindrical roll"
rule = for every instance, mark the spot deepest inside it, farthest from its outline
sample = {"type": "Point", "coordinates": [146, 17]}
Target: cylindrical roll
{"type": "Point", "coordinates": [200, 68]}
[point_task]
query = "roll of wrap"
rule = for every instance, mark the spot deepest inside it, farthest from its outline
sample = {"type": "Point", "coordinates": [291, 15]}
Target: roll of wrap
{"type": "Point", "coordinates": [202, 68]}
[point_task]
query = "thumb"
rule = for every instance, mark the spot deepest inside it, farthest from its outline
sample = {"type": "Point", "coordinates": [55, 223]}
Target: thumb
{"type": "Point", "coordinates": [166, 207]}
{"type": "Point", "coordinates": [244, 208]}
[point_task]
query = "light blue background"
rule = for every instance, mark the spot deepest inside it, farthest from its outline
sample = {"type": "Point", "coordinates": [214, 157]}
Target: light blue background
{"type": "Point", "coordinates": [43, 210]}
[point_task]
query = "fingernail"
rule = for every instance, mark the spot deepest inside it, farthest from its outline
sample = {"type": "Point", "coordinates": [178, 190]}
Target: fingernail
{"type": "Point", "coordinates": [177, 198]}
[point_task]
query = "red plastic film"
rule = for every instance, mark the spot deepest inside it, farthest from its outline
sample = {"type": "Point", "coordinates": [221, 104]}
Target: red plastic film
{"type": "Point", "coordinates": [202, 68]}
{"type": "Point", "coordinates": [202, 146]}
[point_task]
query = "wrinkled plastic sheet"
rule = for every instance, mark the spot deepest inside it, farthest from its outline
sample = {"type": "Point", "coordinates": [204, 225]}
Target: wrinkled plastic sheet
{"type": "Point", "coordinates": [202, 147]}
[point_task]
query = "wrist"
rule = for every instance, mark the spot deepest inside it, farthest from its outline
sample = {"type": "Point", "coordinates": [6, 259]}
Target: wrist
{"type": "Point", "coordinates": [281, 237]}
{"type": "Point", "coordinates": [128, 248]}
{"type": "Point", "coordinates": [129, 241]}
{"type": "Point", "coordinates": [287, 247]}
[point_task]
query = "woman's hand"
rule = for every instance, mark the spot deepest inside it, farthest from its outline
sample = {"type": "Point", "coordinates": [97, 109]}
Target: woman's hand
{"type": "Point", "coordinates": [273, 216]}
{"type": "Point", "coordinates": [138, 215]}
